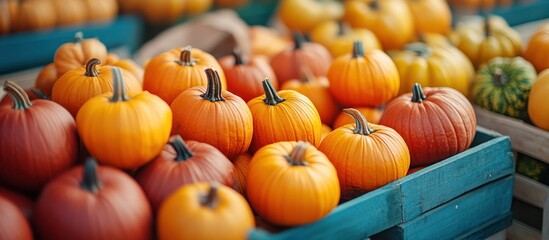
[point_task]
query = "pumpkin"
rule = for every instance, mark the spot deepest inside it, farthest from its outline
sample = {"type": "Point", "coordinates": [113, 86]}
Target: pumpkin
{"type": "Point", "coordinates": [266, 41]}
{"type": "Point", "coordinates": [415, 169]}
{"type": "Point", "coordinates": [77, 86]}
{"type": "Point", "coordinates": [101, 10]}
{"type": "Point", "coordinates": [114, 129]}
{"type": "Point", "coordinates": [390, 20]}
{"type": "Point", "coordinates": [230, 3]}
{"type": "Point", "coordinates": [172, 72]}
{"type": "Point", "coordinates": [35, 15]}
{"type": "Point", "coordinates": [13, 224]}
{"type": "Point", "coordinates": [32, 93]}
{"type": "Point", "coordinates": [363, 79]}
{"type": "Point", "coordinates": [430, 16]}
{"type": "Point", "coordinates": [286, 115]}
{"type": "Point", "coordinates": [304, 15]}
{"type": "Point", "coordinates": [204, 211]}
{"type": "Point", "coordinates": [197, 6]}
{"type": "Point", "coordinates": [112, 58]}
{"type": "Point", "coordinates": [325, 130]}
{"type": "Point", "coordinates": [241, 163]}
{"type": "Point", "coordinates": [431, 66]}
{"type": "Point", "coordinates": [70, 12]}
{"type": "Point", "coordinates": [132, 67]}
{"type": "Point", "coordinates": [537, 103]}
{"type": "Point", "coordinates": [162, 11]}
{"type": "Point", "coordinates": [503, 85]}
{"type": "Point", "coordinates": [129, 6]}
{"type": "Point", "coordinates": [473, 6]}
{"type": "Point", "coordinates": [8, 15]}
{"type": "Point", "coordinates": [39, 141]}
{"type": "Point", "coordinates": [372, 114]}
{"type": "Point", "coordinates": [482, 44]}
{"type": "Point", "coordinates": [300, 170]}
{"type": "Point", "coordinates": [317, 91]}
{"type": "Point", "coordinates": [338, 38]}
{"type": "Point", "coordinates": [77, 204]}
{"type": "Point", "coordinates": [287, 64]}
{"type": "Point", "coordinates": [537, 49]}
{"type": "Point", "coordinates": [244, 76]}
{"type": "Point", "coordinates": [23, 203]}
{"type": "Point", "coordinates": [436, 123]}
{"type": "Point", "coordinates": [181, 163]}
{"type": "Point", "coordinates": [73, 55]}
{"type": "Point", "coordinates": [378, 155]}
{"type": "Point", "coordinates": [46, 78]}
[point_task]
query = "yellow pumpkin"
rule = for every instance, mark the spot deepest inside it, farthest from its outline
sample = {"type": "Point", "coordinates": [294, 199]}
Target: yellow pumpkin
{"type": "Point", "coordinates": [338, 38]}
{"type": "Point", "coordinates": [431, 16]}
{"type": "Point", "coordinates": [304, 15]}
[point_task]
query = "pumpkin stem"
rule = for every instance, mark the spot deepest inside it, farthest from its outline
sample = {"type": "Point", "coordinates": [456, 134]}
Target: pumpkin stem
{"type": "Point", "coordinates": [500, 78]}
{"type": "Point", "coordinates": [182, 150]}
{"type": "Point", "coordinates": [78, 37]}
{"type": "Point", "coordinates": [185, 58]}
{"type": "Point", "coordinates": [298, 40]}
{"type": "Point", "coordinates": [40, 94]}
{"type": "Point", "coordinates": [213, 90]}
{"type": "Point", "coordinates": [18, 96]}
{"type": "Point", "coordinates": [238, 60]}
{"type": "Point", "coordinates": [418, 48]}
{"type": "Point", "coordinates": [417, 93]}
{"type": "Point", "coordinates": [361, 124]}
{"type": "Point", "coordinates": [297, 155]}
{"type": "Point", "coordinates": [487, 27]}
{"type": "Point", "coordinates": [374, 4]}
{"type": "Point", "coordinates": [119, 92]}
{"type": "Point", "coordinates": [340, 28]}
{"type": "Point", "coordinates": [358, 49]}
{"type": "Point", "coordinates": [211, 199]}
{"type": "Point", "coordinates": [90, 182]}
{"type": "Point", "coordinates": [91, 70]}
{"type": "Point", "coordinates": [271, 96]}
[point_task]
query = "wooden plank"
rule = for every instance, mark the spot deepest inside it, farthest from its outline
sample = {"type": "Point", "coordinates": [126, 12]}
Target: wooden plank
{"type": "Point", "coordinates": [525, 138]}
{"type": "Point", "coordinates": [456, 175]}
{"type": "Point", "coordinates": [545, 227]}
{"type": "Point", "coordinates": [530, 191]}
{"type": "Point", "coordinates": [458, 216]}
{"type": "Point", "coordinates": [521, 231]}
{"type": "Point", "coordinates": [355, 219]}
{"type": "Point", "coordinates": [490, 229]}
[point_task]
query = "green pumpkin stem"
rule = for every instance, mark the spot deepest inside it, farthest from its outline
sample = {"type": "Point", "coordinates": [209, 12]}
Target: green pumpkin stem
{"type": "Point", "coordinates": [185, 59]}
{"type": "Point", "coordinates": [417, 93]}
{"type": "Point", "coordinates": [271, 96]}
{"type": "Point", "coordinates": [500, 78]}
{"type": "Point", "coordinates": [238, 59]}
{"type": "Point", "coordinates": [214, 89]}
{"type": "Point", "coordinates": [374, 4]}
{"type": "Point", "coordinates": [40, 94]}
{"type": "Point", "coordinates": [298, 40]}
{"type": "Point", "coordinates": [18, 96]}
{"type": "Point", "coordinates": [90, 182]}
{"type": "Point", "coordinates": [210, 200]}
{"type": "Point", "coordinates": [358, 49]}
{"type": "Point", "coordinates": [181, 149]}
{"type": "Point", "coordinates": [361, 124]}
{"type": "Point", "coordinates": [297, 155]}
{"type": "Point", "coordinates": [91, 69]}
{"type": "Point", "coordinates": [119, 91]}
{"type": "Point", "coordinates": [78, 37]}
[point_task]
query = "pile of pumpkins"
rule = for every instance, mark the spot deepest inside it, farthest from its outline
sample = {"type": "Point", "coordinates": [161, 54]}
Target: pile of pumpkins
{"type": "Point", "coordinates": [190, 146]}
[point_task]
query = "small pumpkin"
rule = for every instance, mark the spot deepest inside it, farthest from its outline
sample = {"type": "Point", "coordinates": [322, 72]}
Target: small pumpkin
{"type": "Point", "coordinates": [70, 12]}
{"type": "Point", "coordinates": [13, 224]}
{"type": "Point", "coordinates": [204, 211]}
{"type": "Point", "coordinates": [159, 12]}
{"type": "Point", "coordinates": [181, 163]}
{"type": "Point", "coordinates": [338, 38]}
{"type": "Point", "coordinates": [194, 7]}
{"type": "Point", "coordinates": [114, 130]}
{"type": "Point", "coordinates": [35, 15]}
{"type": "Point", "coordinates": [503, 86]}
{"type": "Point", "coordinates": [286, 115]}
{"type": "Point", "coordinates": [304, 15]}
{"type": "Point", "coordinates": [266, 41]}
{"type": "Point", "coordinates": [537, 102]}
{"type": "Point", "coordinates": [112, 58]}
{"type": "Point", "coordinates": [8, 15]}
{"type": "Point", "coordinates": [372, 114]}
{"type": "Point", "coordinates": [300, 170]}
{"type": "Point", "coordinates": [217, 117]}
{"type": "Point", "coordinates": [73, 55]}
{"type": "Point", "coordinates": [132, 67]}
{"type": "Point", "coordinates": [436, 123]}
{"type": "Point", "coordinates": [32, 93]}
{"type": "Point", "coordinates": [78, 203]}
{"type": "Point", "coordinates": [241, 163]}
{"type": "Point", "coordinates": [172, 72]}
{"type": "Point", "coordinates": [378, 155]}
{"type": "Point", "coordinates": [537, 49]}
{"type": "Point", "coordinates": [77, 86]}
{"type": "Point", "coordinates": [46, 78]}
{"type": "Point", "coordinates": [244, 76]}
{"type": "Point", "coordinates": [431, 16]}
{"type": "Point", "coordinates": [101, 10]}
{"type": "Point", "coordinates": [38, 141]}
{"type": "Point", "coordinates": [363, 78]}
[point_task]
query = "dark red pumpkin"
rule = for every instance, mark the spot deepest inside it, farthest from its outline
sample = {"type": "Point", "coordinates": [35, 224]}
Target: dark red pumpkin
{"type": "Point", "coordinates": [13, 224]}
{"type": "Point", "coordinates": [25, 204]}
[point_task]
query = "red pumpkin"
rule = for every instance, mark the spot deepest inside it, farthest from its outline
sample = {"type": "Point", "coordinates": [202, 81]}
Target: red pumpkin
{"type": "Point", "coordinates": [182, 163]}
{"type": "Point", "coordinates": [13, 224]}
{"type": "Point", "coordinates": [33, 93]}
{"type": "Point", "coordinates": [25, 205]}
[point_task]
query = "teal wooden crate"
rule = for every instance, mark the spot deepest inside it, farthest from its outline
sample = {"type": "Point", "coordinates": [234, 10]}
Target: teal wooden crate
{"type": "Point", "coordinates": [487, 164]}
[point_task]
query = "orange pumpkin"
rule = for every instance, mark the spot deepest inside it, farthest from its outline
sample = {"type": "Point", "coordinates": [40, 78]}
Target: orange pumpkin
{"type": "Point", "coordinates": [538, 110]}
{"type": "Point", "coordinates": [129, 6]}
{"type": "Point", "coordinates": [230, 3]}
{"type": "Point", "coordinates": [325, 131]}
{"type": "Point", "coordinates": [378, 155]}
{"type": "Point", "coordinates": [197, 6]}
{"type": "Point", "coordinates": [241, 164]}
{"type": "Point", "coordinates": [172, 72]}
{"type": "Point", "coordinates": [363, 79]}
{"type": "Point", "coordinates": [537, 49]}
{"type": "Point", "coordinates": [132, 67]}
{"type": "Point", "coordinates": [162, 11]}
{"type": "Point", "coordinates": [266, 41]}
{"type": "Point", "coordinates": [8, 15]}
{"type": "Point", "coordinates": [217, 117]}
{"type": "Point", "coordinates": [304, 15]}
{"type": "Point", "coordinates": [70, 12]}
{"type": "Point", "coordinates": [35, 15]}
{"type": "Point", "coordinates": [283, 116]}
{"type": "Point", "coordinates": [111, 58]}
{"type": "Point", "coordinates": [46, 79]}
{"type": "Point", "coordinates": [372, 114]}
{"type": "Point", "coordinates": [338, 38]}
{"type": "Point", "coordinates": [300, 170]}
{"type": "Point", "coordinates": [430, 16]}
{"type": "Point", "coordinates": [73, 55]}
{"type": "Point", "coordinates": [204, 211]}
{"type": "Point", "coordinates": [101, 10]}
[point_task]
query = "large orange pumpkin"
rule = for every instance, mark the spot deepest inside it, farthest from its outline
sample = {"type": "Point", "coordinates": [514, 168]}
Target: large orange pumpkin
{"type": "Point", "coordinates": [73, 55]}
{"type": "Point", "coordinates": [537, 49]}
{"type": "Point", "coordinates": [538, 110]}
{"type": "Point", "coordinates": [430, 16]}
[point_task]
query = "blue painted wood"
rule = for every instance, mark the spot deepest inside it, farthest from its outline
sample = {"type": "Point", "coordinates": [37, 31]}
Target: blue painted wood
{"type": "Point", "coordinates": [490, 228]}
{"type": "Point", "coordinates": [456, 175]}
{"type": "Point", "coordinates": [526, 12]}
{"type": "Point", "coordinates": [33, 49]}
{"type": "Point", "coordinates": [458, 216]}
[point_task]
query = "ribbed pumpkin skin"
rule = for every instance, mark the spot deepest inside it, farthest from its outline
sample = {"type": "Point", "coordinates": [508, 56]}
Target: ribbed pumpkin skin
{"type": "Point", "coordinates": [288, 63]}
{"type": "Point", "coordinates": [441, 126]}
{"type": "Point", "coordinates": [537, 49]}
{"type": "Point", "coordinates": [510, 98]}
{"type": "Point", "coordinates": [46, 79]}
{"type": "Point", "coordinates": [538, 109]}
{"type": "Point", "coordinates": [241, 164]}
{"type": "Point", "coordinates": [338, 39]}
{"type": "Point", "coordinates": [73, 55]}
{"type": "Point", "coordinates": [431, 16]}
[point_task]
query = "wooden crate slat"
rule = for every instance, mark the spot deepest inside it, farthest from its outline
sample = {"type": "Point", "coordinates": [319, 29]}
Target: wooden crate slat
{"type": "Point", "coordinates": [545, 225]}
{"type": "Point", "coordinates": [521, 231]}
{"type": "Point", "coordinates": [490, 228]}
{"type": "Point", "coordinates": [530, 191]}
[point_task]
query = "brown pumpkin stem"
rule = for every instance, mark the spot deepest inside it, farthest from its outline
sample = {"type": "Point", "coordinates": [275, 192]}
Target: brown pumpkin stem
{"type": "Point", "coordinates": [271, 96]}
{"type": "Point", "coordinates": [18, 96]}
{"type": "Point", "coordinates": [91, 67]}
{"type": "Point", "coordinates": [358, 49]}
{"type": "Point", "coordinates": [185, 58]}
{"type": "Point", "coordinates": [211, 199]}
{"type": "Point", "coordinates": [340, 28]}
{"type": "Point", "coordinates": [500, 78]}
{"type": "Point", "coordinates": [297, 155]}
{"type": "Point", "coordinates": [238, 60]}
{"type": "Point", "coordinates": [214, 89]}
{"type": "Point", "coordinates": [417, 93]}
{"type": "Point", "coordinates": [119, 92]}
{"type": "Point", "coordinates": [181, 149]}
{"type": "Point", "coordinates": [40, 94]}
{"type": "Point", "coordinates": [298, 40]}
{"type": "Point", "coordinates": [78, 37]}
{"type": "Point", "coordinates": [487, 27]}
{"type": "Point", "coordinates": [90, 182]}
{"type": "Point", "coordinates": [374, 4]}
{"type": "Point", "coordinates": [361, 124]}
